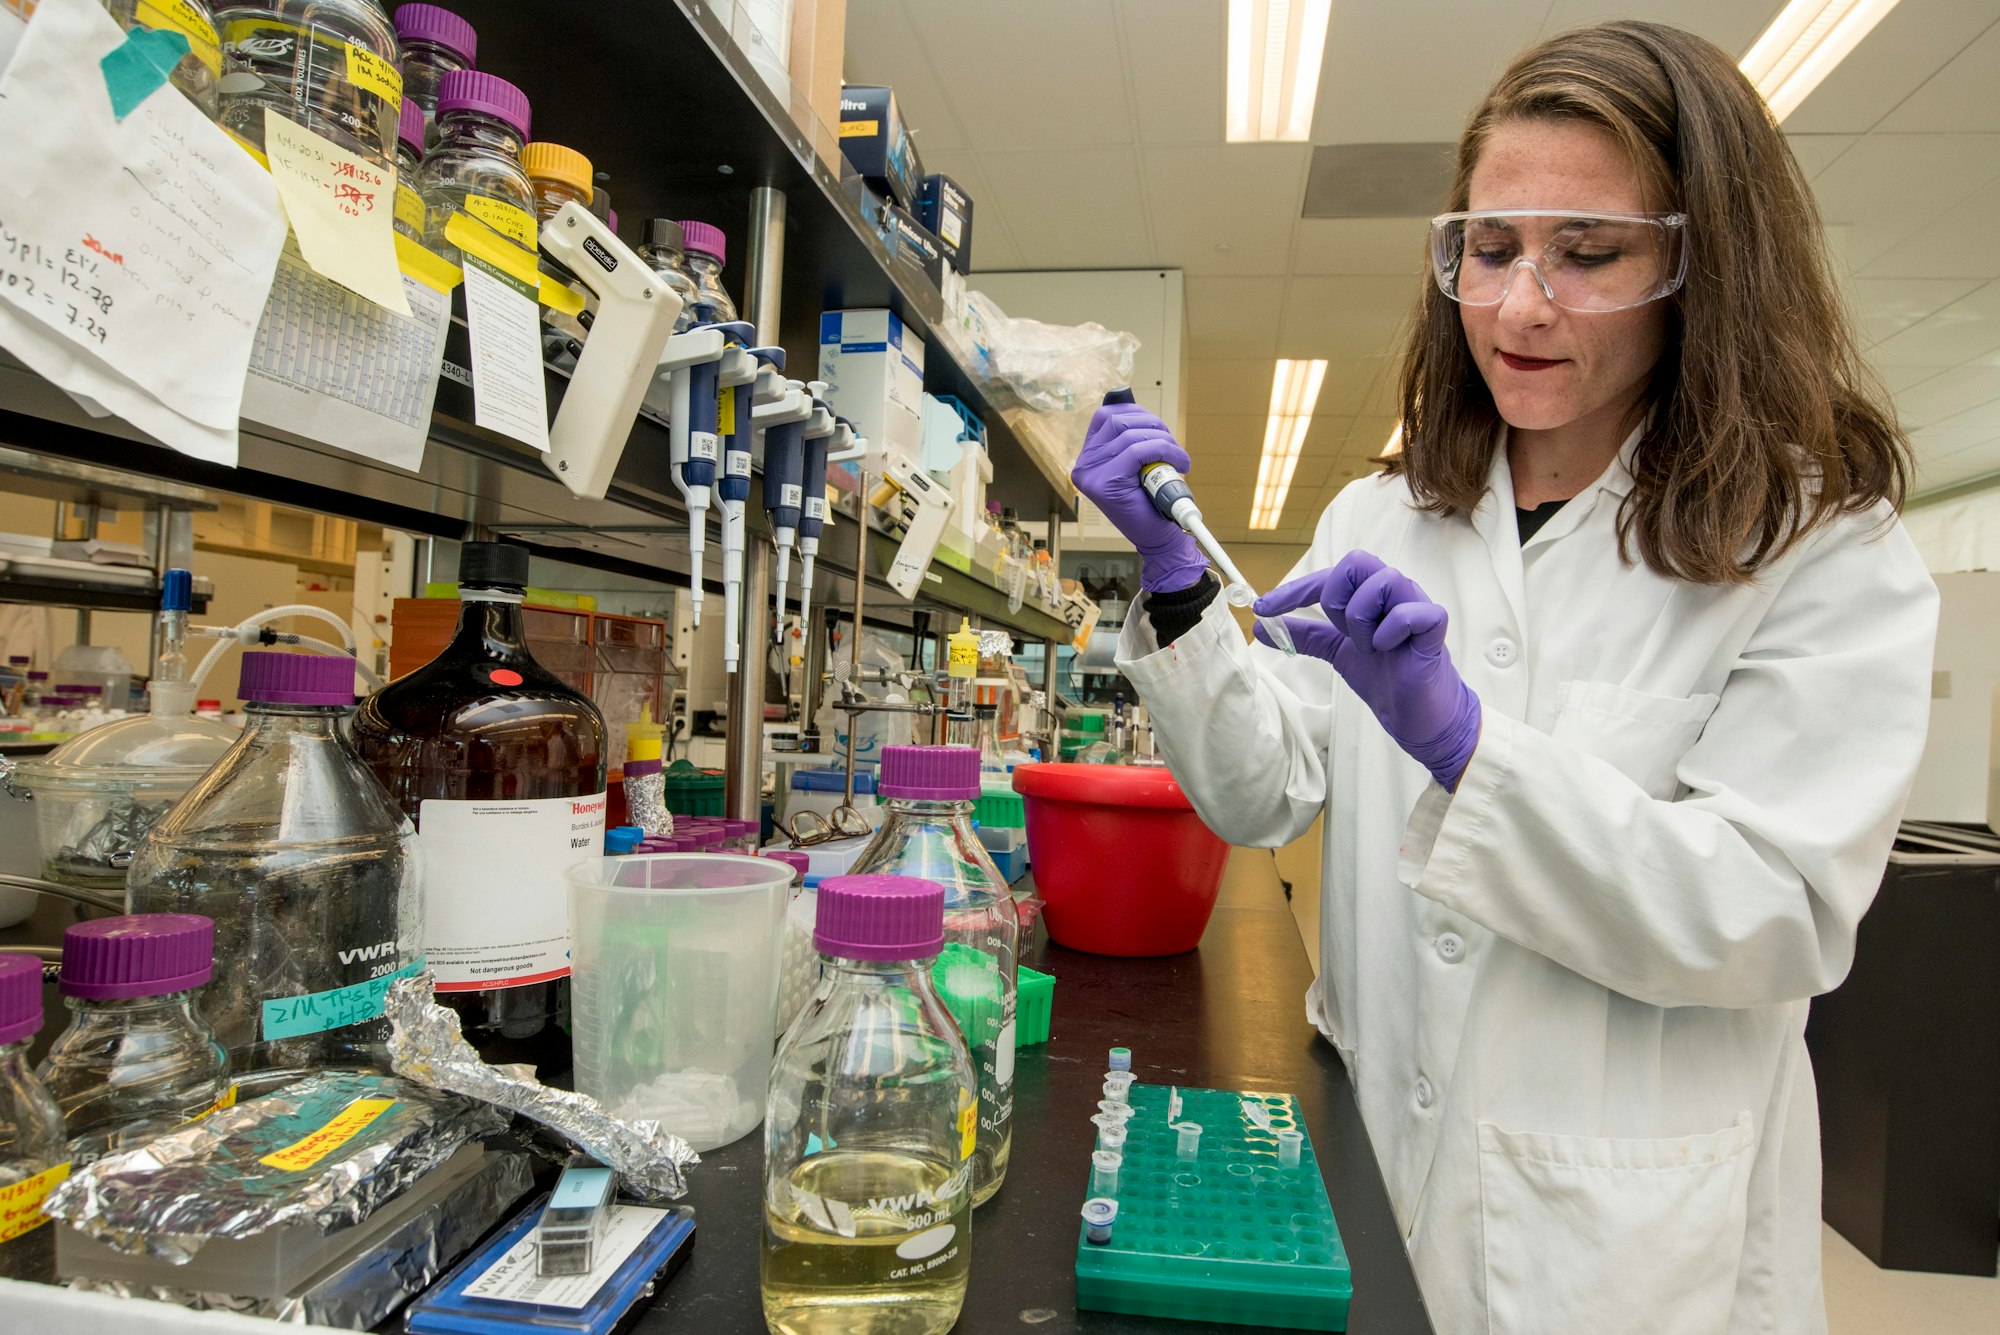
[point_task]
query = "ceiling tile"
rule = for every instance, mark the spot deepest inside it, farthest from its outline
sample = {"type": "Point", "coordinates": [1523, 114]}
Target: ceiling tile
{"type": "Point", "coordinates": [1886, 306]}
{"type": "Point", "coordinates": [1314, 469]}
{"type": "Point", "coordinates": [1888, 186]}
{"type": "Point", "coordinates": [1983, 461]}
{"type": "Point", "coordinates": [1243, 197]}
{"type": "Point", "coordinates": [1957, 244]}
{"type": "Point", "coordinates": [1909, 45]}
{"type": "Point", "coordinates": [1174, 58]}
{"type": "Point", "coordinates": [1901, 378]}
{"type": "Point", "coordinates": [1230, 435]}
{"type": "Point", "coordinates": [1367, 436]}
{"type": "Point", "coordinates": [1966, 329]}
{"type": "Point", "coordinates": [1109, 234]}
{"type": "Point", "coordinates": [1235, 318]}
{"type": "Point", "coordinates": [1384, 247]}
{"type": "Point", "coordinates": [1028, 73]}
{"type": "Point", "coordinates": [883, 48]}
{"type": "Point", "coordinates": [1959, 96]}
{"type": "Point", "coordinates": [1731, 24]}
{"type": "Point", "coordinates": [1380, 52]}
{"type": "Point", "coordinates": [1962, 431]}
{"type": "Point", "coordinates": [1948, 394]}
{"type": "Point", "coordinates": [1817, 152]}
{"type": "Point", "coordinates": [1231, 384]}
{"type": "Point", "coordinates": [1345, 319]}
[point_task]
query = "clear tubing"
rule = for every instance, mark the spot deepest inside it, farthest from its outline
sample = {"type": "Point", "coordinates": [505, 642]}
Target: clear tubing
{"type": "Point", "coordinates": [1189, 1144]}
{"type": "Point", "coordinates": [1104, 1166]}
{"type": "Point", "coordinates": [1288, 1148]}
{"type": "Point", "coordinates": [228, 635]}
{"type": "Point", "coordinates": [368, 674]}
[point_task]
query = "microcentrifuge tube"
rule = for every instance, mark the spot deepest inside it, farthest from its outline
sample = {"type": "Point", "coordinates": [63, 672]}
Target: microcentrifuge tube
{"type": "Point", "coordinates": [1104, 1165]}
{"type": "Point", "coordinates": [1189, 1144]}
{"type": "Point", "coordinates": [1118, 1086]}
{"type": "Point", "coordinates": [1113, 1108]}
{"type": "Point", "coordinates": [1174, 1105]}
{"type": "Point", "coordinates": [1288, 1148]}
{"type": "Point", "coordinates": [1121, 1059]}
{"type": "Point", "coordinates": [1110, 1132]}
{"type": "Point", "coordinates": [1098, 1215]}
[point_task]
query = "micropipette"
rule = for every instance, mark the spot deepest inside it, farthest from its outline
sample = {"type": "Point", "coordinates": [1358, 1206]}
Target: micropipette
{"type": "Point", "coordinates": [1171, 497]}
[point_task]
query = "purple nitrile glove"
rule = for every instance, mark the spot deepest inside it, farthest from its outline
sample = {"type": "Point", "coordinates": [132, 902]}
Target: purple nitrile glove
{"type": "Point", "coordinates": [1123, 439]}
{"type": "Point", "coordinates": [1386, 638]}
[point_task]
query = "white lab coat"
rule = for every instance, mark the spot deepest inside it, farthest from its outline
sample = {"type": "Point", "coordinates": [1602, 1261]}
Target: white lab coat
{"type": "Point", "coordinates": [1572, 996]}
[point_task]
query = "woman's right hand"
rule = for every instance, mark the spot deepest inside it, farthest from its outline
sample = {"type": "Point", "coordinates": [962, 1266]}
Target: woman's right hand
{"type": "Point", "coordinates": [1122, 440]}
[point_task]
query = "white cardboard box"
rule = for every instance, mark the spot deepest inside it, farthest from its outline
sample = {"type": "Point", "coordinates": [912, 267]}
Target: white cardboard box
{"type": "Point", "coordinates": [874, 372]}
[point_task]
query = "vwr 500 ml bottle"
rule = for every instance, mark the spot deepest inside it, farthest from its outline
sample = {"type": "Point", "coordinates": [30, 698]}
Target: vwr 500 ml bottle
{"type": "Point", "coordinates": [501, 764]}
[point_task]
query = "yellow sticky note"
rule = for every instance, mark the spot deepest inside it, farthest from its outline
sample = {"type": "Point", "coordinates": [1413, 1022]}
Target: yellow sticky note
{"type": "Point", "coordinates": [348, 1123]}
{"type": "Point", "coordinates": [342, 209]}
{"type": "Point", "coordinates": [21, 1202]}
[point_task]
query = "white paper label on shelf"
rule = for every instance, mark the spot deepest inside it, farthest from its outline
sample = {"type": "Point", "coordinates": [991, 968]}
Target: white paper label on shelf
{"type": "Point", "coordinates": [513, 1278]}
{"type": "Point", "coordinates": [504, 319]}
{"type": "Point", "coordinates": [135, 254]}
{"type": "Point", "coordinates": [334, 367]}
{"type": "Point", "coordinates": [342, 209]}
{"type": "Point", "coordinates": [496, 906]}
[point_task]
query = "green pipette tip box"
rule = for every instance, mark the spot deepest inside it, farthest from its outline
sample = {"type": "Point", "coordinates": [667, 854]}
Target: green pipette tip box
{"type": "Point", "coordinates": [1232, 1237]}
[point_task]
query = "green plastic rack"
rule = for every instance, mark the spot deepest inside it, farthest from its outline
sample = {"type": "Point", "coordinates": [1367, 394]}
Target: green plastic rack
{"type": "Point", "coordinates": [1034, 1006]}
{"type": "Point", "coordinates": [1230, 1237]}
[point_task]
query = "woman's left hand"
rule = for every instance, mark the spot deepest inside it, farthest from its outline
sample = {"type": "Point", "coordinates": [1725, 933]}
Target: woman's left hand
{"type": "Point", "coordinates": [1386, 639]}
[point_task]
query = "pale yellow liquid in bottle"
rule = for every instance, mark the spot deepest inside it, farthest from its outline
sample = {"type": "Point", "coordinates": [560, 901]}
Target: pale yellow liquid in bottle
{"type": "Point", "coordinates": [904, 1267]}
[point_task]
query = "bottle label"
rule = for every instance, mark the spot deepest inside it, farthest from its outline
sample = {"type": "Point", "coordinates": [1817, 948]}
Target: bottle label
{"type": "Point", "coordinates": [496, 906]}
{"type": "Point", "coordinates": [410, 208]}
{"type": "Point", "coordinates": [182, 17]}
{"type": "Point", "coordinates": [516, 224]}
{"type": "Point", "coordinates": [380, 77]}
{"type": "Point", "coordinates": [319, 74]}
{"type": "Point", "coordinates": [968, 1124]}
{"type": "Point", "coordinates": [335, 1008]}
{"type": "Point", "coordinates": [704, 445]}
{"type": "Point", "coordinates": [21, 1202]}
{"type": "Point", "coordinates": [725, 421]}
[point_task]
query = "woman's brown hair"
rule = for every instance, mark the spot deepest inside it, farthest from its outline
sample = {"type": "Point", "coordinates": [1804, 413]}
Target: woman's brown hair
{"type": "Point", "coordinates": [1764, 421]}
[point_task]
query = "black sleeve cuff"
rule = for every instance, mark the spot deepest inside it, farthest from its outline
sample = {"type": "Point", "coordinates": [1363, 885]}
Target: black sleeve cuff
{"type": "Point", "coordinates": [1175, 614]}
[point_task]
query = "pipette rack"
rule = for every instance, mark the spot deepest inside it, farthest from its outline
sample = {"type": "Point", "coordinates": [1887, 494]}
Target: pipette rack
{"type": "Point", "coordinates": [1230, 1237]}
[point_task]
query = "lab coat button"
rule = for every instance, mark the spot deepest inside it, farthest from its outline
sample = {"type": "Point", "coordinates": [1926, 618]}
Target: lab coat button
{"type": "Point", "coordinates": [1424, 1093]}
{"type": "Point", "coordinates": [1450, 948]}
{"type": "Point", "coordinates": [1502, 652]}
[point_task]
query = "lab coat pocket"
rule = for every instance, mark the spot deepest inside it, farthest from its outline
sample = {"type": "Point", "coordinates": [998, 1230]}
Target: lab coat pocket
{"type": "Point", "coordinates": [1643, 735]}
{"type": "Point", "coordinates": [1589, 1234]}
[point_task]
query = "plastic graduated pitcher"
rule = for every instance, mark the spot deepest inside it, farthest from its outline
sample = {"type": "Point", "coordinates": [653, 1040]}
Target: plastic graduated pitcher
{"type": "Point", "coordinates": [674, 987]}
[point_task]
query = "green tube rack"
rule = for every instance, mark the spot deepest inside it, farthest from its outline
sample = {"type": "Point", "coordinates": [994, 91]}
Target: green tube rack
{"type": "Point", "coordinates": [1231, 1237]}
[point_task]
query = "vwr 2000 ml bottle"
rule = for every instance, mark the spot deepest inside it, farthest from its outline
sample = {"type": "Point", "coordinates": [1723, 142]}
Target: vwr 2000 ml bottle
{"type": "Point", "coordinates": [501, 764]}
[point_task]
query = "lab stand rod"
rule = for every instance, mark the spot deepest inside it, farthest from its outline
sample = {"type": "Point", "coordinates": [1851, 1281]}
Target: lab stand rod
{"type": "Point", "coordinates": [860, 591]}
{"type": "Point", "coordinates": [765, 285]}
{"type": "Point", "coordinates": [743, 767]}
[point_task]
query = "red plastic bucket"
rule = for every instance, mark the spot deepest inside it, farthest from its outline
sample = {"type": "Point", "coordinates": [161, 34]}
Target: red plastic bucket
{"type": "Point", "coordinates": [1121, 860]}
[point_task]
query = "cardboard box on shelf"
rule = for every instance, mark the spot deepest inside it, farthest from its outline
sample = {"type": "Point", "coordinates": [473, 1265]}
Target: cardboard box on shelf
{"type": "Point", "coordinates": [877, 143]}
{"type": "Point", "coordinates": [917, 253]}
{"type": "Point", "coordinates": [819, 41]}
{"type": "Point", "coordinates": [873, 367]}
{"type": "Point", "coordinates": [945, 208]}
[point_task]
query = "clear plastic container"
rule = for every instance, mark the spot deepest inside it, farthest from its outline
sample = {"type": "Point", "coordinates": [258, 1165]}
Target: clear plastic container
{"type": "Point", "coordinates": [474, 167]}
{"type": "Point", "coordinates": [137, 1058]}
{"type": "Point", "coordinates": [929, 792]}
{"type": "Point", "coordinates": [32, 1137]}
{"type": "Point", "coordinates": [798, 961]}
{"type": "Point", "coordinates": [309, 869]}
{"type": "Point", "coordinates": [869, 1128]}
{"type": "Point", "coordinates": [409, 172]}
{"type": "Point", "coordinates": [665, 251]}
{"type": "Point", "coordinates": [675, 958]}
{"type": "Point", "coordinates": [434, 42]}
{"type": "Point", "coordinates": [706, 251]}
{"type": "Point", "coordinates": [97, 795]}
{"type": "Point", "coordinates": [102, 666]}
{"type": "Point", "coordinates": [201, 67]}
{"type": "Point", "coordinates": [332, 66]}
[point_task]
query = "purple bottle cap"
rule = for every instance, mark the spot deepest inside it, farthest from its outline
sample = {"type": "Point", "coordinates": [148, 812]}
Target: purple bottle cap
{"type": "Point", "coordinates": [706, 238]}
{"type": "Point", "coordinates": [657, 844]}
{"type": "Point", "coordinates": [705, 838]}
{"type": "Point", "coordinates": [297, 679]}
{"type": "Point", "coordinates": [930, 773]}
{"type": "Point", "coordinates": [410, 129]}
{"type": "Point", "coordinates": [138, 955]}
{"type": "Point", "coordinates": [487, 94]}
{"type": "Point", "coordinates": [791, 857]}
{"type": "Point", "coordinates": [38, 676]}
{"type": "Point", "coordinates": [879, 918]}
{"type": "Point", "coordinates": [20, 997]}
{"type": "Point", "coordinates": [639, 769]}
{"type": "Point", "coordinates": [428, 23]}
{"type": "Point", "coordinates": [737, 829]}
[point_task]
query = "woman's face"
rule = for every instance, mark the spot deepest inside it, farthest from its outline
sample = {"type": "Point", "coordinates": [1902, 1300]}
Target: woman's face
{"type": "Point", "coordinates": [1549, 368]}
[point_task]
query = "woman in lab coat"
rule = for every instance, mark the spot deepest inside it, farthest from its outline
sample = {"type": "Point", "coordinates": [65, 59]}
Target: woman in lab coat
{"type": "Point", "coordinates": [1611, 687]}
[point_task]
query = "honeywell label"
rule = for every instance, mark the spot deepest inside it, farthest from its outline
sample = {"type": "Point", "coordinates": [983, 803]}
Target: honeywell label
{"type": "Point", "coordinates": [496, 907]}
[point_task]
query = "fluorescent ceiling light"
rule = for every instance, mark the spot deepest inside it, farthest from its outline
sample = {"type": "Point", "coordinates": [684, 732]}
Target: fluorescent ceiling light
{"type": "Point", "coordinates": [1275, 47]}
{"type": "Point", "coordinates": [1395, 445]}
{"type": "Point", "coordinates": [1804, 43]}
{"type": "Point", "coordinates": [1294, 391]}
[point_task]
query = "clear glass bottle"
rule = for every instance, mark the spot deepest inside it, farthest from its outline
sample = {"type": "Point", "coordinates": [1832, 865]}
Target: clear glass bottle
{"type": "Point", "coordinates": [310, 871]}
{"type": "Point", "coordinates": [928, 793]}
{"type": "Point", "coordinates": [502, 765]}
{"type": "Point", "coordinates": [409, 173]}
{"type": "Point", "coordinates": [665, 252]}
{"type": "Point", "coordinates": [434, 43]}
{"type": "Point", "coordinates": [32, 1138]}
{"type": "Point", "coordinates": [201, 67]}
{"type": "Point", "coordinates": [868, 1129]}
{"type": "Point", "coordinates": [332, 66]}
{"type": "Point", "coordinates": [137, 1058]}
{"type": "Point", "coordinates": [557, 175]}
{"type": "Point", "coordinates": [706, 251]}
{"type": "Point", "coordinates": [475, 165]}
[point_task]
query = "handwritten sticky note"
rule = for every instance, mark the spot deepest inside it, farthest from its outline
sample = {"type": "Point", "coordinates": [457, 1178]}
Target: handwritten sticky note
{"type": "Point", "coordinates": [342, 208]}
{"type": "Point", "coordinates": [135, 255]}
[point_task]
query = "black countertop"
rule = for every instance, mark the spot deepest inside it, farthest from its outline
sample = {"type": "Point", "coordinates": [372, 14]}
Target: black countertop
{"type": "Point", "coordinates": [1230, 1015]}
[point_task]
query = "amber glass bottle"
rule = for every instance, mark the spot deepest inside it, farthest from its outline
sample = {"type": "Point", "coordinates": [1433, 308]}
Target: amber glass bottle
{"type": "Point", "coordinates": [501, 765]}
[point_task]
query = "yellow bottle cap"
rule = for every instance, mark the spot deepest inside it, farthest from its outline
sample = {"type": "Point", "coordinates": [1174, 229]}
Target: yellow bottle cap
{"type": "Point", "coordinates": [557, 163]}
{"type": "Point", "coordinates": [643, 739]}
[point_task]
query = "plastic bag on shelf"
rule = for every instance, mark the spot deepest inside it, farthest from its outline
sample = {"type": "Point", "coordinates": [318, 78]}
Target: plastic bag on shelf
{"type": "Point", "coordinates": [1052, 368]}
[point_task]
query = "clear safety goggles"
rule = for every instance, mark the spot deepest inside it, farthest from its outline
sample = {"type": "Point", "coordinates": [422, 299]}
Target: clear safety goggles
{"type": "Point", "coordinates": [1583, 262]}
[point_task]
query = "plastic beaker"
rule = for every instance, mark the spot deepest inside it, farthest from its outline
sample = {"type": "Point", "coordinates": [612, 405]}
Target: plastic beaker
{"type": "Point", "coordinates": [674, 981]}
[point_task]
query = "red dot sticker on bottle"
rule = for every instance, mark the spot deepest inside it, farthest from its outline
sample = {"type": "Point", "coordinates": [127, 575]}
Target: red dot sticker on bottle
{"type": "Point", "coordinates": [504, 677]}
